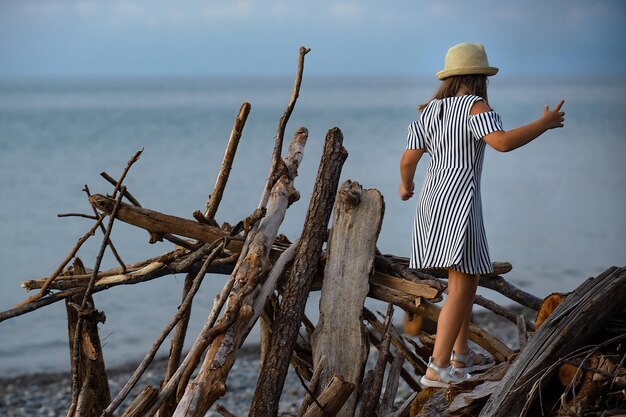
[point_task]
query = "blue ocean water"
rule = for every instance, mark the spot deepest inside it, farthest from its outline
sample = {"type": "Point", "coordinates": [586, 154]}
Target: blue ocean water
{"type": "Point", "coordinates": [554, 209]}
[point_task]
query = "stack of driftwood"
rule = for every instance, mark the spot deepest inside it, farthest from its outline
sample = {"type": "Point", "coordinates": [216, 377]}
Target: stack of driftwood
{"type": "Point", "coordinates": [571, 360]}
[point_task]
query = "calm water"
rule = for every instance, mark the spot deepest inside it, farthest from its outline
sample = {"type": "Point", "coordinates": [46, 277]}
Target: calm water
{"type": "Point", "coordinates": [555, 208]}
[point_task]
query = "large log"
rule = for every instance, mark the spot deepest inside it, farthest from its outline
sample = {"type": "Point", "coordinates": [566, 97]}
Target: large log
{"type": "Point", "coordinates": [285, 327]}
{"type": "Point", "coordinates": [340, 335]}
{"type": "Point", "coordinates": [572, 325]}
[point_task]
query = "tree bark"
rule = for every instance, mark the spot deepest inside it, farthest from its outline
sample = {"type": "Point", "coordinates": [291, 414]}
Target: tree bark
{"type": "Point", "coordinates": [285, 329]}
{"type": "Point", "coordinates": [340, 335]}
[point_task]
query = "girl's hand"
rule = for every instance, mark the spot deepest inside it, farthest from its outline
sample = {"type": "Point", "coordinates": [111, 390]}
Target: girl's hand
{"type": "Point", "coordinates": [405, 193]}
{"type": "Point", "coordinates": [553, 118]}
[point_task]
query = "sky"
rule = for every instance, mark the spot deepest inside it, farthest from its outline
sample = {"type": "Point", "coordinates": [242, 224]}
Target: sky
{"type": "Point", "coordinates": [154, 38]}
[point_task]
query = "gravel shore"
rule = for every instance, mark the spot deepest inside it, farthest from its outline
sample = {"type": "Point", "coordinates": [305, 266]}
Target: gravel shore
{"type": "Point", "coordinates": [48, 395]}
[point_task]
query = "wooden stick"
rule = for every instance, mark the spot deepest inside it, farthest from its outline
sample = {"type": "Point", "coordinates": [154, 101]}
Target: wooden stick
{"type": "Point", "coordinates": [501, 311]}
{"type": "Point", "coordinates": [397, 340]}
{"type": "Point", "coordinates": [499, 284]}
{"type": "Point", "coordinates": [129, 164]}
{"type": "Point", "coordinates": [407, 376]}
{"type": "Point", "coordinates": [127, 194]}
{"type": "Point", "coordinates": [391, 388]}
{"type": "Point", "coordinates": [280, 132]}
{"type": "Point", "coordinates": [176, 347]}
{"type": "Point", "coordinates": [332, 398]}
{"type": "Point", "coordinates": [308, 398]}
{"type": "Point", "coordinates": [371, 403]}
{"type": "Point", "coordinates": [86, 296]}
{"type": "Point", "coordinates": [86, 216]}
{"type": "Point", "coordinates": [522, 330]}
{"type": "Point", "coordinates": [227, 163]}
{"type": "Point", "coordinates": [182, 311]}
{"type": "Point", "coordinates": [113, 250]}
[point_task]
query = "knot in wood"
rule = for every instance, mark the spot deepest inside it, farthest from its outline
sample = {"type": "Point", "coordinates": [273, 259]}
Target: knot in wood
{"type": "Point", "coordinates": [293, 197]}
{"type": "Point", "coordinates": [350, 193]}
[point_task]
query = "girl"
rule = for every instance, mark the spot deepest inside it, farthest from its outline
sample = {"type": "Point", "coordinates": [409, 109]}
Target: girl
{"type": "Point", "coordinates": [454, 127]}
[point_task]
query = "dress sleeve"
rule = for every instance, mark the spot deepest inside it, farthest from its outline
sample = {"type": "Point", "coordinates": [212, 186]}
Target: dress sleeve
{"type": "Point", "coordinates": [485, 123]}
{"type": "Point", "coordinates": [416, 138]}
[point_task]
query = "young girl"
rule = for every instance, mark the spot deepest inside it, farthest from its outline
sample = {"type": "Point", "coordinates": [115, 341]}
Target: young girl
{"type": "Point", "coordinates": [454, 127]}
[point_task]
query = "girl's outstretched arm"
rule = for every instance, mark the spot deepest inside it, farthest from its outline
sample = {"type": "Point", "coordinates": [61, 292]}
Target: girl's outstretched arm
{"type": "Point", "coordinates": [505, 141]}
{"type": "Point", "coordinates": [408, 162]}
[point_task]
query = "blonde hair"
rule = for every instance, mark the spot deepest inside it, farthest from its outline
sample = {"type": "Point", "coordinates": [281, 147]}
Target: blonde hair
{"type": "Point", "coordinates": [472, 84]}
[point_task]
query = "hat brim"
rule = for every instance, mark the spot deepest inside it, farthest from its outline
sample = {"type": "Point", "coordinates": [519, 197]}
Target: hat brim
{"type": "Point", "coordinates": [443, 74]}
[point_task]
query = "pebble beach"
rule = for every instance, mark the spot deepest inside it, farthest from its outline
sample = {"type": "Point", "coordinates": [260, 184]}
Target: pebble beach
{"type": "Point", "coordinates": [48, 395]}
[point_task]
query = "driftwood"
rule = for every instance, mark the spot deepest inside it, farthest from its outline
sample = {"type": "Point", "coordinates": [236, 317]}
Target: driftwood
{"type": "Point", "coordinates": [357, 218]}
{"type": "Point", "coordinates": [210, 382]}
{"type": "Point", "coordinates": [579, 317]}
{"type": "Point", "coordinates": [331, 399]}
{"type": "Point", "coordinates": [271, 277]}
{"type": "Point", "coordinates": [92, 379]}
{"type": "Point", "coordinates": [304, 269]}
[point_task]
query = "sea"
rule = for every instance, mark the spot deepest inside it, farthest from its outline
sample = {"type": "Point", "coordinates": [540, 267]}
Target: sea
{"type": "Point", "coordinates": [555, 209]}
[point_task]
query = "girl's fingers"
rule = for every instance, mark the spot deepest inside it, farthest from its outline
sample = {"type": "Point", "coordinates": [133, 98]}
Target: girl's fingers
{"type": "Point", "coordinates": [558, 106]}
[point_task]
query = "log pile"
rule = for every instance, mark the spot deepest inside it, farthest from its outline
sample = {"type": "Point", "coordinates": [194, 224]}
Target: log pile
{"type": "Point", "coordinates": [571, 360]}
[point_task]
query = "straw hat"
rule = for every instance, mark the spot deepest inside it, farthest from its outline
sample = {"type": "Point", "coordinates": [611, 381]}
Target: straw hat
{"type": "Point", "coordinates": [465, 59]}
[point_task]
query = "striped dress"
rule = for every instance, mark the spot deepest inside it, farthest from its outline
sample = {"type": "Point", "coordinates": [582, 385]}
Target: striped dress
{"type": "Point", "coordinates": [448, 230]}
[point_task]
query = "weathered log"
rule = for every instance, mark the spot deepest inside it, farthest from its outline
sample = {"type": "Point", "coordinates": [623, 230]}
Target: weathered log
{"type": "Point", "coordinates": [406, 286]}
{"type": "Point", "coordinates": [304, 269]}
{"type": "Point", "coordinates": [243, 304]}
{"type": "Point", "coordinates": [158, 224]}
{"type": "Point", "coordinates": [331, 399]}
{"type": "Point", "coordinates": [92, 378]}
{"type": "Point", "coordinates": [340, 335]}
{"type": "Point", "coordinates": [579, 318]}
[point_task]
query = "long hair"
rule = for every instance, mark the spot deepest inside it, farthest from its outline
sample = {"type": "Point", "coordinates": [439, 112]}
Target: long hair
{"type": "Point", "coordinates": [472, 84]}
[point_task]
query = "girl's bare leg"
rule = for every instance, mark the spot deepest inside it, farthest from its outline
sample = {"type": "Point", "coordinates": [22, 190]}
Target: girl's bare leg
{"type": "Point", "coordinates": [461, 345]}
{"type": "Point", "coordinates": [455, 311]}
